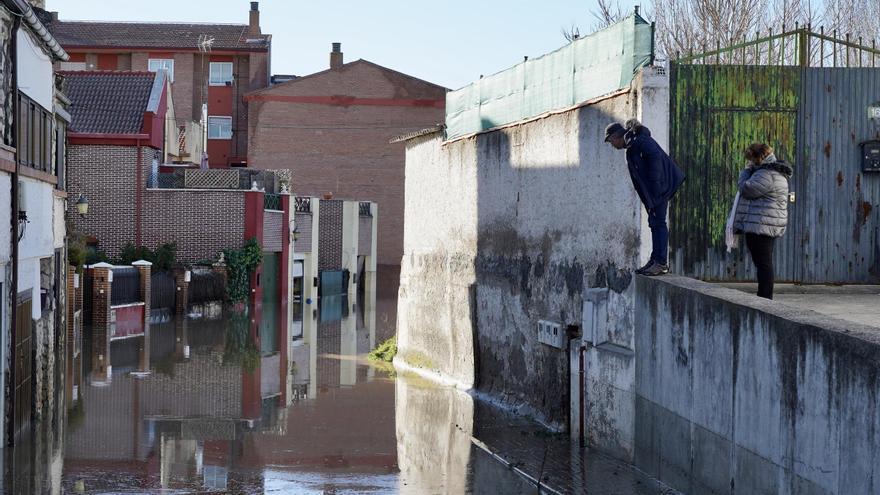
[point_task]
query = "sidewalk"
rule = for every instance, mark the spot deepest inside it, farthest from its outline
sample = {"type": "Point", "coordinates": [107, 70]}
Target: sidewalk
{"type": "Point", "coordinates": [855, 303]}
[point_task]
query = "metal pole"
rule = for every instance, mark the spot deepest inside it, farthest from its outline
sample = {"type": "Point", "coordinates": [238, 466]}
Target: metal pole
{"type": "Point", "coordinates": [822, 46]}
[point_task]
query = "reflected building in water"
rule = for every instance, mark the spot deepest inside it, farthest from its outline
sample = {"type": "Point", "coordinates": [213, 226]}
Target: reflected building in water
{"type": "Point", "coordinates": [196, 403]}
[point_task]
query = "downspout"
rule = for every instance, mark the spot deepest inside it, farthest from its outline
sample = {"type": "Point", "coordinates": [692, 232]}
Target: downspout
{"type": "Point", "coordinates": [13, 290]}
{"type": "Point", "coordinates": [138, 194]}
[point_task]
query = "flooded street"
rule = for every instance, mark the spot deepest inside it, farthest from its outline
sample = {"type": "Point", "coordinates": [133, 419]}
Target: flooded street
{"type": "Point", "coordinates": [253, 405]}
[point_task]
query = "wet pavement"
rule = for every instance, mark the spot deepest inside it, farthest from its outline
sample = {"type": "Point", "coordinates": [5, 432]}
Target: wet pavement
{"type": "Point", "coordinates": [288, 403]}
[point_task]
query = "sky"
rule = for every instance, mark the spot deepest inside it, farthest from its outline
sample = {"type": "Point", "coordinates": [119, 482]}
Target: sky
{"type": "Point", "coordinates": [449, 42]}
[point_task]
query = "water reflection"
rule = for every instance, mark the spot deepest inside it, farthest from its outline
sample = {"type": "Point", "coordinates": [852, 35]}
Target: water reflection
{"type": "Point", "coordinates": [279, 400]}
{"type": "Point", "coordinates": [244, 402]}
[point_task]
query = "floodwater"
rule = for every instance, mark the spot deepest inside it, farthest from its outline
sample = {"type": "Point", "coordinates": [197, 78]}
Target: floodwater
{"type": "Point", "coordinates": [288, 403]}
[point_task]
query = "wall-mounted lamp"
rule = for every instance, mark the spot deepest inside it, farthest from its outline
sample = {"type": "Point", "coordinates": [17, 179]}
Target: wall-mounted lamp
{"type": "Point", "coordinates": [82, 205]}
{"type": "Point", "coordinates": [187, 276]}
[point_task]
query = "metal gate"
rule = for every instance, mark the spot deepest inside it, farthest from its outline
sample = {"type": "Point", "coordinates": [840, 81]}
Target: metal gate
{"type": "Point", "coordinates": [23, 396]}
{"type": "Point", "coordinates": [778, 90]}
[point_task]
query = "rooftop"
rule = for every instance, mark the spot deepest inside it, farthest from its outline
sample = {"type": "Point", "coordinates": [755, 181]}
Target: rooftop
{"type": "Point", "coordinates": [175, 36]}
{"type": "Point", "coordinates": [109, 102]}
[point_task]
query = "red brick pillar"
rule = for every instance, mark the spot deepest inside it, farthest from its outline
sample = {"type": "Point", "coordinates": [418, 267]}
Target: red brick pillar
{"type": "Point", "coordinates": [102, 274]}
{"type": "Point", "coordinates": [145, 270]}
{"type": "Point", "coordinates": [72, 286]}
{"type": "Point", "coordinates": [254, 203]}
{"type": "Point", "coordinates": [181, 279]}
{"type": "Point", "coordinates": [181, 339]}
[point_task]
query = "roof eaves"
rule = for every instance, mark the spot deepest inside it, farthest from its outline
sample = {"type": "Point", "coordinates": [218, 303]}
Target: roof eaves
{"type": "Point", "coordinates": [24, 9]}
{"type": "Point", "coordinates": [423, 132]}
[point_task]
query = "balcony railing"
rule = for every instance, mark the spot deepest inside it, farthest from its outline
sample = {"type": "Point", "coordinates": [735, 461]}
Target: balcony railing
{"type": "Point", "coordinates": [226, 178]}
{"type": "Point", "coordinates": [303, 204]}
{"type": "Point", "coordinates": [272, 202]}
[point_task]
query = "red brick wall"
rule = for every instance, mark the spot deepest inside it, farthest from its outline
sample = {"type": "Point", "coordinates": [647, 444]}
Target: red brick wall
{"type": "Point", "coordinates": [203, 223]}
{"type": "Point", "coordinates": [106, 174]}
{"type": "Point", "coordinates": [345, 150]}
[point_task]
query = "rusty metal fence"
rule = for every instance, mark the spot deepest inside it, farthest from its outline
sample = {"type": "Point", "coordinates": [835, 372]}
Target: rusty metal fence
{"type": "Point", "coordinates": [808, 95]}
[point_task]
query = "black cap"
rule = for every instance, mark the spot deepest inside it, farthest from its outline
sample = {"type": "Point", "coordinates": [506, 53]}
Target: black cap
{"type": "Point", "coordinates": [614, 129]}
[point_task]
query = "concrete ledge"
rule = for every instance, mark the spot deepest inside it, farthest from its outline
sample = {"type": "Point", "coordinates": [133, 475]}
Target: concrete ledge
{"type": "Point", "coordinates": [811, 320]}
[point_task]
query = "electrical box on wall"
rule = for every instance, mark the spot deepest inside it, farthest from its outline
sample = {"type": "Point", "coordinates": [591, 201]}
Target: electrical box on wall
{"type": "Point", "coordinates": [871, 156]}
{"type": "Point", "coordinates": [551, 333]}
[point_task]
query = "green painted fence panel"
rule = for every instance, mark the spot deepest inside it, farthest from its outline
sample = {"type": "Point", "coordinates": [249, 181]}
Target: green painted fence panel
{"type": "Point", "coordinates": [587, 68]}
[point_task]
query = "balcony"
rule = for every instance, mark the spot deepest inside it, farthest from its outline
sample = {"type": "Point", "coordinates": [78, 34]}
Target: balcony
{"type": "Point", "coordinates": [224, 179]}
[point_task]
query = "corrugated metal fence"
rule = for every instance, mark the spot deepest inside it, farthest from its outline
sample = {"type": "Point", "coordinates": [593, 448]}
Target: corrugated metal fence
{"type": "Point", "coordinates": [816, 118]}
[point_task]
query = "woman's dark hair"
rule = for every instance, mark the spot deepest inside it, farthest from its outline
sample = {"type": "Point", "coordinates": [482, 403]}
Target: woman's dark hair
{"type": "Point", "coordinates": [756, 152]}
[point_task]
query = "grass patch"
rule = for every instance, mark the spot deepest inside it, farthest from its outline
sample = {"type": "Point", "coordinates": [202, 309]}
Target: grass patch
{"type": "Point", "coordinates": [385, 352]}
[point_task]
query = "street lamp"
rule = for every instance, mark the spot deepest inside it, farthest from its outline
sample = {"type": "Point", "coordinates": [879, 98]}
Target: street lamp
{"type": "Point", "coordinates": [82, 205]}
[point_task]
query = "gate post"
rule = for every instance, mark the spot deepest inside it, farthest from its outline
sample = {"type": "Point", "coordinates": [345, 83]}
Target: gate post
{"type": "Point", "coordinates": [102, 288]}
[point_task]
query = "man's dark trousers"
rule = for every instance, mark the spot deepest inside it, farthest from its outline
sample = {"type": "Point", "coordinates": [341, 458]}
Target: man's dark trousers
{"type": "Point", "coordinates": [659, 232]}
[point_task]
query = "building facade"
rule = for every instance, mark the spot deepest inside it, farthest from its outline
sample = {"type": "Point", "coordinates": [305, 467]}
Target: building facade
{"type": "Point", "coordinates": [332, 129]}
{"type": "Point", "coordinates": [210, 67]}
{"type": "Point", "coordinates": [33, 260]}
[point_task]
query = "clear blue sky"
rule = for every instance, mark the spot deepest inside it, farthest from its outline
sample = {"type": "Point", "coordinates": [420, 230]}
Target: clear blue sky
{"type": "Point", "coordinates": [446, 42]}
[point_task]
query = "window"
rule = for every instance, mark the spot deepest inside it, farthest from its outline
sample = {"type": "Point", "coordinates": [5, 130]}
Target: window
{"type": "Point", "coordinates": [35, 135]}
{"type": "Point", "coordinates": [220, 73]}
{"type": "Point", "coordinates": [156, 64]}
{"type": "Point", "coordinates": [219, 127]}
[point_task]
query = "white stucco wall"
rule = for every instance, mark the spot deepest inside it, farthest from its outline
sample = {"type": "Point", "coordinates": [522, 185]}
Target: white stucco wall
{"type": "Point", "coordinates": [5, 217]}
{"type": "Point", "coordinates": [34, 70]}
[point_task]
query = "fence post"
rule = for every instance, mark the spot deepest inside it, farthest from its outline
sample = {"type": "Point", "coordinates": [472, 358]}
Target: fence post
{"type": "Point", "coordinates": [102, 287]}
{"type": "Point", "coordinates": [72, 298]}
{"type": "Point", "coordinates": [145, 293]}
{"type": "Point", "coordinates": [181, 279]}
{"type": "Point", "coordinates": [804, 48]}
{"type": "Point", "coordinates": [145, 269]}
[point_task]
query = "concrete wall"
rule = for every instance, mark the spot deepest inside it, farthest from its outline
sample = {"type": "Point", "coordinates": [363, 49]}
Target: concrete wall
{"type": "Point", "coordinates": [513, 226]}
{"type": "Point", "coordinates": [735, 394]}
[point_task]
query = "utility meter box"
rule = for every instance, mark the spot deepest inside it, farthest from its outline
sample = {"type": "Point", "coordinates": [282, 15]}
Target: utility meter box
{"type": "Point", "coordinates": [871, 156]}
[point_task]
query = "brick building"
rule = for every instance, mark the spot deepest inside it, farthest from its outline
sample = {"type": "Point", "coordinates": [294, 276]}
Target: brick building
{"type": "Point", "coordinates": [332, 128]}
{"type": "Point", "coordinates": [210, 67]}
{"type": "Point", "coordinates": [117, 132]}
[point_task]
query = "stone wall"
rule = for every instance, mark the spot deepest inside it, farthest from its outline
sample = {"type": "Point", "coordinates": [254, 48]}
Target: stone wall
{"type": "Point", "coordinates": [735, 394]}
{"type": "Point", "coordinates": [513, 226]}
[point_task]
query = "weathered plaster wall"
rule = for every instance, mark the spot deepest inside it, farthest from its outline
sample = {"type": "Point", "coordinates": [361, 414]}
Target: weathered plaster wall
{"type": "Point", "coordinates": [512, 226]}
{"type": "Point", "coordinates": [742, 396]}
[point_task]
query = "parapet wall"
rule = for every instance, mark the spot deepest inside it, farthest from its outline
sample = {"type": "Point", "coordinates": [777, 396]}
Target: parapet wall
{"type": "Point", "coordinates": [734, 394]}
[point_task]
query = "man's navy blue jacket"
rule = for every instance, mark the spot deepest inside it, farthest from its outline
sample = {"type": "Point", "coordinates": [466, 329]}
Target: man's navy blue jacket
{"type": "Point", "coordinates": [654, 175]}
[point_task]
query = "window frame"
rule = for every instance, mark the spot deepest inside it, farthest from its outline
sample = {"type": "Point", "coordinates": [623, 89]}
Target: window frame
{"type": "Point", "coordinates": [170, 68]}
{"type": "Point", "coordinates": [224, 118]}
{"type": "Point", "coordinates": [212, 82]}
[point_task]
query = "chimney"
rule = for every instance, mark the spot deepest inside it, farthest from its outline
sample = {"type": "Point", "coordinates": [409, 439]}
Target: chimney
{"type": "Point", "coordinates": [254, 22]}
{"type": "Point", "coordinates": [54, 15]}
{"type": "Point", "coordinates": [336, 56]}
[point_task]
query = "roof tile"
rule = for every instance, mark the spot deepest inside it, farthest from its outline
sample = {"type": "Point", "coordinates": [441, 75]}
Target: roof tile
{"type": "Point", "coordinates": [108, 102]}
{"type": "Point", "coordinates": [153, 35]}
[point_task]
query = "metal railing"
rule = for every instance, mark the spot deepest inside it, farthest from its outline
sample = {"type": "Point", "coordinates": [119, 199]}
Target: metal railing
{"type": "Point", "coordinates": [799, 47]}
{"type": "Point", "coordinates": [365, 209]}
{"type": "Point", "coordinates": [225, 178]}
{"type": "Point", "coordinates": [207, 287]}
{"type": "Point", "coordinates": [163, 291]}
{"type": "Point", "coordinates": [126, 287]}
{"type": "Point", "coordinates": [302, 204]}
{"type": "Point", "coordinates": [272, 202]}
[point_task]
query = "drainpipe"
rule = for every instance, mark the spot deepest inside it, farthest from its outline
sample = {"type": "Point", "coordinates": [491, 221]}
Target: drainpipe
{"type": "Point", "coordinates": [138, 197]}
{"type": "Point", "coordinates": [582, 376]}
{"type": "Point", "coordinates": [13, 296]}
